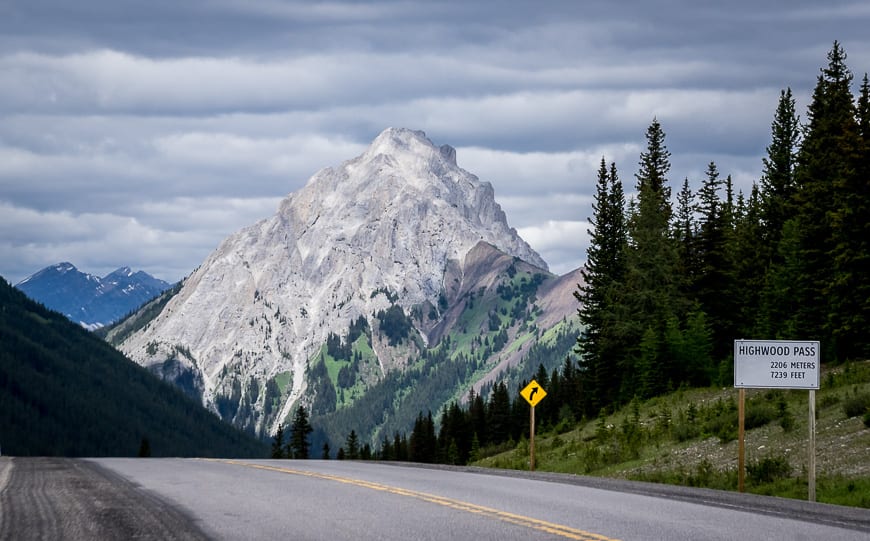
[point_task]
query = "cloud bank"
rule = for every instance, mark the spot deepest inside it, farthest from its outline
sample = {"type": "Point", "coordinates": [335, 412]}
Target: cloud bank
{"type": "Point", "coordinates": [143, 134]}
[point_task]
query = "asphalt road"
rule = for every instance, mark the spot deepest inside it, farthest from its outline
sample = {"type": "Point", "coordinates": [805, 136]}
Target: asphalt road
{"type": "Point", "coordinates": [302, 500]}
{"type": "Point", "coordinates": [62, 498]}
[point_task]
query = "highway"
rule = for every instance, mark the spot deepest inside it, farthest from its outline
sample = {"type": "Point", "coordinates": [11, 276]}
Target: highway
{"type": "Point", "coordinates": [328, 500]}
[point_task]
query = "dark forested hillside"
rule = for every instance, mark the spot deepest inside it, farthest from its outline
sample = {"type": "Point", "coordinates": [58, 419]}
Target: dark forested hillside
{"type": "Point", "coordinates": [65, 392]}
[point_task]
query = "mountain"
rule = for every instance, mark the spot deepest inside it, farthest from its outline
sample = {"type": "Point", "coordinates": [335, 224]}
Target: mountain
{"type": "Point", "coordinates": [64, 391]}
{"type": "Point", "coordinates": [375, 275]}
{"type": "Point", "coordinates": [90, 300]}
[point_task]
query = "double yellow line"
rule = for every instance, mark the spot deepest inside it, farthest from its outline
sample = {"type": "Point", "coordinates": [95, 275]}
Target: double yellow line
{"type": "Point", "coordinates": [519, 520]}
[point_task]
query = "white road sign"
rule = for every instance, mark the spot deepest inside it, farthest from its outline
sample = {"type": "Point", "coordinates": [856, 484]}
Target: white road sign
{"type": "Point", "coordinates": [776, 364]}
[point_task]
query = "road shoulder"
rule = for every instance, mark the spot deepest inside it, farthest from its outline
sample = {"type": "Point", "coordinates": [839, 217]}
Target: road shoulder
{"type": "Point", "coordinates": [62, 498]}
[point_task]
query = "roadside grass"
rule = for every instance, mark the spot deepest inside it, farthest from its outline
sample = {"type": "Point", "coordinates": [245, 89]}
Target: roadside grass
{"type": "Point", "coordinates": [689, 437]}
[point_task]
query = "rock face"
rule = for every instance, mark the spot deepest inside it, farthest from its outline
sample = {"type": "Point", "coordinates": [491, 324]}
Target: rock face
{"type": "Point", "coordinates": [89, 300]}
{"type": "Point", "coordinates": [382, 229]}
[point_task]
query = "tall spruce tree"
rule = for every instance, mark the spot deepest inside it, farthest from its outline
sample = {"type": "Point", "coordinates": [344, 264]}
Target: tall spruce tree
{"type": "Point", "coordinates": [685, 234]}
{"type": "Point", "coordinates": [849, 292]}
{"type": "Point", "coordinates": [825, 205]}
{"type": "Point", "coordinates": [298, 446]}
{"type": "Point", "coordinates": [351, 444]}
{"type": "Point", "coordinates": [649, 297]}
{"type": "Point", "coordinates": [278, 443]}
{"type": "Point", "coordinates": [750, 267]}
{"type": "Point", "coordinates": [715, 282]}
{"type": "Point", "coordinates": [863, 112]}
{"type": "Point", "coordinates": [498, 414]}
{"type": "Point", "coordinates": [778, 174]}
{"type": "Point", "coordinates": [423, 445]}
{"type": "Point", "coordinates": [603, 272]}
{"type": "Point", "coordinates": [776, 205]}
{"type": "Point", "coordinates": [477, 417]}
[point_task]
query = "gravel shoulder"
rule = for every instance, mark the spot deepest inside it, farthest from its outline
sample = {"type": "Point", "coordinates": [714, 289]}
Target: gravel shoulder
{"type": "Point", "coordinates": [62, 498]}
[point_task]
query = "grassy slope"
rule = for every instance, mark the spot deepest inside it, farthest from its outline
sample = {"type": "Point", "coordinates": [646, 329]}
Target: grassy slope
{"type": "Point", "coordinates": [659, 440]}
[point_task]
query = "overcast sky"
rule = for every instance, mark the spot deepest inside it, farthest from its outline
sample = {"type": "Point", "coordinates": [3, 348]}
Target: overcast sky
{"type": "Point", "coordinates": [144, 133]}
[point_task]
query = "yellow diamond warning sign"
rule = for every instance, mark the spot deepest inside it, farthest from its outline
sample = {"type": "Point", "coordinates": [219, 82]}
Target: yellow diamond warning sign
{"type": "Point", "coordinates": [533, 393]}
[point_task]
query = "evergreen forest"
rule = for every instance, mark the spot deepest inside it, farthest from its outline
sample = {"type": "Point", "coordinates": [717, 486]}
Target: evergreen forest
{"type": "Point", "coordinates": [669, 288]}
{"type": "Point", "coordinates": [66, 392]}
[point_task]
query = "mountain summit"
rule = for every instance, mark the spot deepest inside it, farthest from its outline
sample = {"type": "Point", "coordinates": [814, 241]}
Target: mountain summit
{"type": "Point", "coordinates": [389, 228]}
{"type": "Point", "coordinates": [89, 300]}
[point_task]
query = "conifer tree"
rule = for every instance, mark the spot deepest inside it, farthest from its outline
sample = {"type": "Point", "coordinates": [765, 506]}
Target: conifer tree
{"type": "Point", "coordinates": [776, 205]}
{"type": "Point", "coordinates": [778, 175]}
{"type": "Point", "coordinates": [751, 265]}
{"type": "Point", "coordinates": [849, 296]}
{"type": "Point", "coordinates": [715, 282]}
{"type": "Point", "coordinates": [602, 273]}
{"type": "Point", "coordinates": [298, 447]}
{"type": "Point", "coordinates": [654, 167]}
{"type": "Point", "coordinates": [351, 445]}
{"type": "Point", "coordinates": [477, 417]}
{"type": "Point", "coordinates": [685, 234]}
{"type": "Point", "coordinates": [863, 113]}
{"type": "Point", "coordinates": [649, 296]}
{"type": "Point", "coordinates": [423, 446]}
{"type": "Point", "coordinates": [278, 443]}
{"type": "Point", "coordinates": [825, 204]}
{"type": "Point", "coordinates": [498, 414]}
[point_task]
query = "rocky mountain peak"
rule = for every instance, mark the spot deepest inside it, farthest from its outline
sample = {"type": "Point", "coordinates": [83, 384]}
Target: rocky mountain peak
{"type": "Point", "coordinates": [377, 230]}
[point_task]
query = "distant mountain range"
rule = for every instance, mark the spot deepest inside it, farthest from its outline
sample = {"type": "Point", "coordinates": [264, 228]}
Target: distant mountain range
{"type": "Point", "coordinates": [65, 392]}
{"type": "Point", "coordinates": [89, 300]}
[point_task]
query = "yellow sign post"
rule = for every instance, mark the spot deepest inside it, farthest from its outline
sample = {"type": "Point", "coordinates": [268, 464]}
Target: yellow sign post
{"type": "Point", "coordinates": [533, 393]}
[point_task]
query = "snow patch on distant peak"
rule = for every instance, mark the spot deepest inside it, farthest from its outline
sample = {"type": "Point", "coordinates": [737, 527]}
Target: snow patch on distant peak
{"type": "Point", "coordinates": [64, 267]}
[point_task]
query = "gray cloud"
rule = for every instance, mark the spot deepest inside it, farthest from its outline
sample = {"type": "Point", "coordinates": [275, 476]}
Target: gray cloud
{"type": "Point", "coordinates": [143, 133]}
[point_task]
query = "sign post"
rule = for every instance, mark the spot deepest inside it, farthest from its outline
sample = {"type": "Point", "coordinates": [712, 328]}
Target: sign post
{"type": "Point", "coordinates": [741, 440]}
{"type": "Point", "coordinates": [811, 462]}
{"type": "Point", "coordinates": [533, 393]}
{"type": "Point", "coordinates": [778, 364]}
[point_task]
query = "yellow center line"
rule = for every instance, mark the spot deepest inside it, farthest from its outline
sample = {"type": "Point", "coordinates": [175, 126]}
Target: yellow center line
{"type": "Point", "coordinates": [519, 520]}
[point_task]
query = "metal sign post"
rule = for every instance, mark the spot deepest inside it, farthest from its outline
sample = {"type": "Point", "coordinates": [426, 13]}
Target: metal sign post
{"type": "Point", "coordinates": [533, 393]}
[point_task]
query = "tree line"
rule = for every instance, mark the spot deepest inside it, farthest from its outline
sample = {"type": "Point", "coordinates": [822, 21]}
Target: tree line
{"type": "Point", "coordinates": [481, 427]}
{"type": "Point", "coordinates": [667, 289]}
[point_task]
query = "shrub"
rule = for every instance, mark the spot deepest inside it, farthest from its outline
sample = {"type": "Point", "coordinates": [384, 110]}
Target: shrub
{"type": "Point", "coordinates": [786, 419]}
{"type": "Point", "coordinates": [856, 405]}
{"type": "Point", "coordinates": [722, 422]}
{"type": "Point", "coordinates": [758, 414]}
{"type": "Point", "coordinates": [829, 400]}
{"type": "Point", "coordinates": [768, 469]}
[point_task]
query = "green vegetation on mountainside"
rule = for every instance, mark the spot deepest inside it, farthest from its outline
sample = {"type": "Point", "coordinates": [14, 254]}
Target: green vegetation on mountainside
{"type": "Point", "coordinates": [377, 407]}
